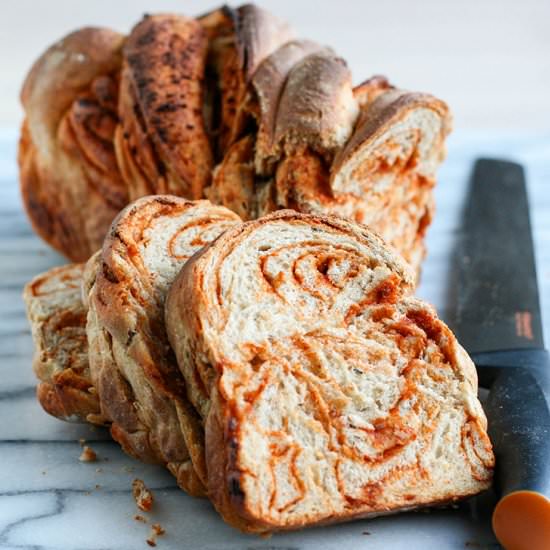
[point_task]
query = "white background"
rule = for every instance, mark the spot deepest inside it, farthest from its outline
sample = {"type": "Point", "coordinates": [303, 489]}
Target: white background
{"type": "Point", "coordinates": [489, 59]}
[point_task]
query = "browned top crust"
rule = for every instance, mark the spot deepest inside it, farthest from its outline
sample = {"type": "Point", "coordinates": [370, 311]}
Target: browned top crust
{"type": "Point", "coordinates": [165, 59]}
{"type": "Point", "coordinates": [70, 181]}
{"type": "Point", "coordinates": [61, 73]}
{"type": "Point", "coordinates": [268, 82]}
{"type": "Point", "coordinates": [316, 107]}
{"type": "Point", "coordinates": [58, 324]}
{"type": "Point", "coordinates": [259, 33]}
{"type": "Point", "coordinates": [370, 89]}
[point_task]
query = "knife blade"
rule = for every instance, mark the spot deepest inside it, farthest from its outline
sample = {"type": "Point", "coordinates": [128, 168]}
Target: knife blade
{"type": "Point", "coordinates": [498, 302]}
{"type": "Point", "coordinates": [499, 323]}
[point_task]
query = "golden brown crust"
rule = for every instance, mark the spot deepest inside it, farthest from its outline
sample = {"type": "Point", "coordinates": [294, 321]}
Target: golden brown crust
{"type": "Point", "coordinates": [161, 97]}
{"type": "Point", "coordinates": [70, 182]}
{"type": "Point", "coordinates": [259, 34]}
{"type": "Point", "coordinates": [316, 107]}
{"type": "Point", "coordinates": [268, 82]}
{"type": "Point", "coordinates": [58, 322]}
{"type": "Point", "coordinates": [368, 90]}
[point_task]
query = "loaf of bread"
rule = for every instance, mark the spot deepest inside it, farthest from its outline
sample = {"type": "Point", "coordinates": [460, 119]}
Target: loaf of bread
{"type": "Point", "coordinates": [140, 387]}
{"type": "Point", "coordinates": [230, 107]}
{"type": "Point", "coordinates": [58, 324]}
{"type": "Point", "coordinates": [326, 391]}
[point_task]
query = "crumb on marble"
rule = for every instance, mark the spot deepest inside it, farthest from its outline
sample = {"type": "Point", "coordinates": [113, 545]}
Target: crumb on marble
{"type": "Point", "coordinates": [87, 455]}
{"type": "Point", "coordinates": [98, 486]}
{"type": "Point", "coordinates": [99, 470]}
{"type": "Point", "coordinates": [142, 495]}
{"type": "Point", "coordinates": [156, 531]}
{"type": "Point", "coordinates": [128, 469]}
{"type": "Point", "coordinates": [82, 441]}
{"type": "Point", "coordinates": [139, 517]}
{"type": "Point", "coordinates": [44, 472]}
{"type": "Point", "coordinates": [366, 532]}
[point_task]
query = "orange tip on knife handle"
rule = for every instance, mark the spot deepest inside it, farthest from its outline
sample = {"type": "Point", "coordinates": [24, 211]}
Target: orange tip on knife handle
{"type": "Point", "coordinates": [521, 521]}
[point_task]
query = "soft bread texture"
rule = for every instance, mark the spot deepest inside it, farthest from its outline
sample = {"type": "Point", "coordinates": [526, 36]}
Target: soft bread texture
{"type": "Point", "coordinates": [70, 181]}
{"type": "Point", "coordinates": [58, 323]}
{"type": "Point", "coordinates": [140, 387]}
{"type": "Point", "coordinates": [327, 392]}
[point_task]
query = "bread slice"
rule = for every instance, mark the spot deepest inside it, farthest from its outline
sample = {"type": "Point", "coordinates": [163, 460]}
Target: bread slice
{"type": "Point", "coordinates": [58, 323]}
{"type": "Point", "coordinates": [70, 182]}
{"type": "Point", "coordinates": [140, 387]}
{"type": "Point", "coordinates": [327, 391]}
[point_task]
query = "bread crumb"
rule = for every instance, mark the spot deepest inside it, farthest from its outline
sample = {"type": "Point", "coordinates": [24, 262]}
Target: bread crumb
{"type": "Point", "coordinates": [98, 486]}
{"type": "Point", "coordinates": [82, 441]}
{"type": "Point", "coordinates": [366, 532]}
{"type": "Point", "coordinates": [156, 531]}
{"type": "Point", "coordinates": [99, 470]}
{"type": "Point", "coordinates": [88, 455]}
{"type": "Point", "coordinates": [142, 495]}
{"type": "Point", "coordinates": [139, 517]}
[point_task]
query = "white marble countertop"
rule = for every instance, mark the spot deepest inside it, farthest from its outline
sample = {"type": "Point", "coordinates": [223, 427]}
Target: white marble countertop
{"type": "Point", "coordinates": [49, 500]}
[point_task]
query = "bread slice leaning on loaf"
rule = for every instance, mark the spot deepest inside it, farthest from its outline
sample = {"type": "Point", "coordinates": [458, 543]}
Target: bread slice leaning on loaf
{"type": "Point", "coordinates": [58, 325]}
{"type": "Point", "coordinates": [327, 392]}
{"type": "Point", "coordinates": [138, 382]}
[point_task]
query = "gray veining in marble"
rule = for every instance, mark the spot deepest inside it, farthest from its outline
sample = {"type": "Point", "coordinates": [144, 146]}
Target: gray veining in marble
{"type": "Point", "coordinates": [49, 500]}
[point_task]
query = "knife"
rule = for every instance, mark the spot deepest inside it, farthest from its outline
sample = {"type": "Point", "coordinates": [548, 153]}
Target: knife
{"type": "Point", "coordinates": [499, 323]}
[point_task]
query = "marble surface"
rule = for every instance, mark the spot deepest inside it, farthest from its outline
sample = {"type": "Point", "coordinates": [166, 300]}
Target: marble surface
{"type": "Point", "coordinates": [49, 500]}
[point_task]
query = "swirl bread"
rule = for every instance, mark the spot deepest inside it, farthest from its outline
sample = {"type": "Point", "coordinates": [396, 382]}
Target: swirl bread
{"type": "Point", "coordinates": [70, 181]}
{"type": "Point", "coordinates": [141, 390]}
{"type": "Point", "coordinates": [230, 107]}
{"type": "Point", "coordinates": [326, 391]}
{"type": "Point", "coordinates": [58, 324]}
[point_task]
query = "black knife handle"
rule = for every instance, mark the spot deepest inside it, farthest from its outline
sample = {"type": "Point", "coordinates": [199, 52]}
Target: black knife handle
{"type": "Point", "coordinates": [518, 412]}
